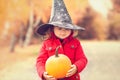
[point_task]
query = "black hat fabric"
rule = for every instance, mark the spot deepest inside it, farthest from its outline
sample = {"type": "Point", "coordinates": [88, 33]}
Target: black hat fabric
{"type": "Point", "coordinates": [59, 17]}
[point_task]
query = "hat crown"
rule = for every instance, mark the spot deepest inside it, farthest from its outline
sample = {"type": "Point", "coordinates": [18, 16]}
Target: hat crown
{"type": "Point", "coordinates": [59, 12]}
{"type": "Point", "coordinates": [59, 17]}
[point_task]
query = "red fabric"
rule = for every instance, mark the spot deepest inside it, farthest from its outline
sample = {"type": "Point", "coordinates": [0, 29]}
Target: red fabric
{"type": "Point", "coordinates": [71, 47]}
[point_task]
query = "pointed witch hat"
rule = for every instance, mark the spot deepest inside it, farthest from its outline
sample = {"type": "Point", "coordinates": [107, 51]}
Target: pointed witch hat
{"type": "Point", "coordinates": [59, 17]}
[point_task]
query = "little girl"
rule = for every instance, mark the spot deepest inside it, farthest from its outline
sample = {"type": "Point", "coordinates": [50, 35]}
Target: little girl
{"type": "Point", "coordinates": [60, 32]}
{"type": "Point", "coordinates": [70, 47]}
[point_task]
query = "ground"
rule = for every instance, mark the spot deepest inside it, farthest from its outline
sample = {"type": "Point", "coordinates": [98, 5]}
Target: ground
{"type": "Point", "coordinates": [103, 61]}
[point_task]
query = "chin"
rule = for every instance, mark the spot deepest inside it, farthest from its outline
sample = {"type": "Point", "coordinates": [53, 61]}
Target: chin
{"type": "Point", "coordinates": [62, 37]}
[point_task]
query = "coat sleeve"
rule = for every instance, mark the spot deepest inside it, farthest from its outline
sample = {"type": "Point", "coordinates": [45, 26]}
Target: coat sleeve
{"type": "Point", "coordinates": [80, 58]}
{"type": "Point", "coordinates": [41, 59]}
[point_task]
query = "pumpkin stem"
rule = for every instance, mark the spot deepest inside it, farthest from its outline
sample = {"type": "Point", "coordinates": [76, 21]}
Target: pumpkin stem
{"type": "Point", "coordinates": [56, 52]}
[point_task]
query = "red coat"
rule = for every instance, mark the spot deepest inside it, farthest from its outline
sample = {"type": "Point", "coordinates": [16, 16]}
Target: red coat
{"type": "Point", "coordinates": [71, 47]}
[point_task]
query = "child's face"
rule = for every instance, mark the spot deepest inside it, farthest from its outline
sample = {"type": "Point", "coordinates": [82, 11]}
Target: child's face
{"type": "Point", "coordinates": [62, 33]}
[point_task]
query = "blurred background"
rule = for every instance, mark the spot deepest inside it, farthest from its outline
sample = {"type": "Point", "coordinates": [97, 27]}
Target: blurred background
{"type": "Point", "coordinates": [19, 45]}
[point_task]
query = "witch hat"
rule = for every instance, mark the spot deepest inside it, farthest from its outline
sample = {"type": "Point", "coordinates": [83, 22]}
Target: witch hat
{"type": "Point", "coordinates": [59, 17]}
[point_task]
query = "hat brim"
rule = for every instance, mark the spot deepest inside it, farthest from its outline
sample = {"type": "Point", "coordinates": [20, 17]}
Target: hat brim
{"type": "Point", "coordinates": [42, 29]}
{"type": "Point", "coordinates": [67, 25]}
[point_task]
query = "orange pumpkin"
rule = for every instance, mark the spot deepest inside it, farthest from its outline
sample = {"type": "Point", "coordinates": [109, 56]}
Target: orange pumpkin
{"type": "Point", "coordinates": [58, 65]}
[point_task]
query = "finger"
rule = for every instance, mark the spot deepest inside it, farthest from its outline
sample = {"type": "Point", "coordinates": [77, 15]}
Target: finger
{"type": "Point", "coordinates": [45, 73]}
{"type": "Point", "coordinates": [51, 78]}
{"type": "Point", "coordinates": [48, 76]}
{"type": "Point", "coordinates": [72, 66]}
{"type": "Point", "coordinates": [68, 75]}
{"type": "Point", "coordinates": [71, 69]}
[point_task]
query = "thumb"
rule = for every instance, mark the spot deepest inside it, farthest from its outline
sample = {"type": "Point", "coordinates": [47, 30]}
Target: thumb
{"type": "Point", "coordinates": [45, 73]}
{"type": "Point", "coordinates": [72, 66]}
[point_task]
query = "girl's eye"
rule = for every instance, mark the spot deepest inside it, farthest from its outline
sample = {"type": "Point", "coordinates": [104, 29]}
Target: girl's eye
{"type": "Point", "coordinates": [60, 28]}
{"type": "Point", "coordinates": [67, 29]}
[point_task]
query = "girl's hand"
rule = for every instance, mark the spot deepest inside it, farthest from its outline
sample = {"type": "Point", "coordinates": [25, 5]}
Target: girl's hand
{"type": "Point", "coordinates": [48, 77]}
{"type": "Point", "coordinates": [72, 71]}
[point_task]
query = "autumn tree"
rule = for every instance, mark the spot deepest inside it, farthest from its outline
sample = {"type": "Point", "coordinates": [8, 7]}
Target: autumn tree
{"type": "Point", "coordinates": [114, 21]}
